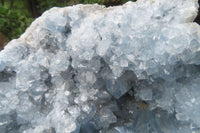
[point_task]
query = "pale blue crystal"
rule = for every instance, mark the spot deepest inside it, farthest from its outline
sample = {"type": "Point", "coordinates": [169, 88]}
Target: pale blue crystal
{"type": "Point", "coordinates": [89, 69]}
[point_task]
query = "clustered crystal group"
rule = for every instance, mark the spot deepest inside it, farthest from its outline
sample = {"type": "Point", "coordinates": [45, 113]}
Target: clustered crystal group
{"type": "Point", "coordinates": [133, 68]}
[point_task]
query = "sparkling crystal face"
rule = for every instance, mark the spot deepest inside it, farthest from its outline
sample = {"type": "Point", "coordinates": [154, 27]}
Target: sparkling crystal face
{"type": "Point", "coordinates": [89, 69]}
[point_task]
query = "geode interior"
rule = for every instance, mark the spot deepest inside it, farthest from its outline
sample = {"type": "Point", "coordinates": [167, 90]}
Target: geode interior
{"type": "Point", "coordinates": [133, 68]}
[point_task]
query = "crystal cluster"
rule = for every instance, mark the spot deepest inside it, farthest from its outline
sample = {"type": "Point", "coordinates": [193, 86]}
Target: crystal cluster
{"type": "Point", "coordinates": [133, 68]}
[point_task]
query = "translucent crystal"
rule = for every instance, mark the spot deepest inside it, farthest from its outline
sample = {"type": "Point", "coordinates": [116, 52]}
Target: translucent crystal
{"type": "Point", "coordinates": [89, 69]}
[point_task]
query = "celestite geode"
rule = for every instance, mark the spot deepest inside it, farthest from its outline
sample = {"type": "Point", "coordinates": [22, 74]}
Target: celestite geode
{"type": "Point", "coordinates": [133, 68]}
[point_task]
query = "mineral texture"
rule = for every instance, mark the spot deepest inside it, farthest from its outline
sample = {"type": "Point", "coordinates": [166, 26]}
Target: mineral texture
{"type": "Point", "coordinates": [133, 68]}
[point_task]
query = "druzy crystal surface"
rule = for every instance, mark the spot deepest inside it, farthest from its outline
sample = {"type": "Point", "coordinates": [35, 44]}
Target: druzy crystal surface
{"type": "Point", "coordinates": [133, 68]}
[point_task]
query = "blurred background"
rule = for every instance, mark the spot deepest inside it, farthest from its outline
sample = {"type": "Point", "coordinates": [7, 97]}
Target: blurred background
{"type": "Point", "coordinates": [17, 15]}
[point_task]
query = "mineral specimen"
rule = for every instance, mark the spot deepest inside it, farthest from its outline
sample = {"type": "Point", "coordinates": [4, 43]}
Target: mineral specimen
{"type": "Point", "coordinates": [133, 68]}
